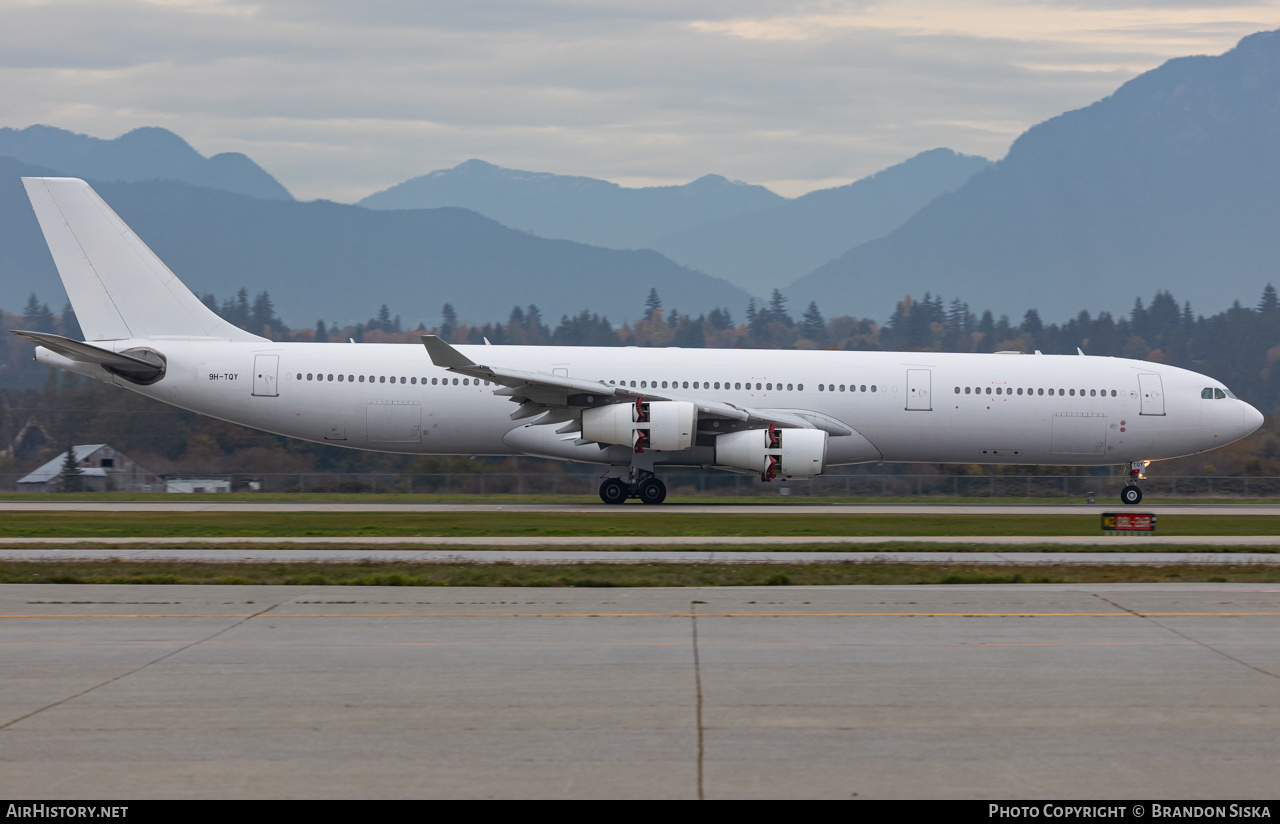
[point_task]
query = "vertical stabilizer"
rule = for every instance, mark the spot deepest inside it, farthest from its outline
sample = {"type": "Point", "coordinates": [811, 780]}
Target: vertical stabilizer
{"type": "Point", "coordinates": [118, 287]}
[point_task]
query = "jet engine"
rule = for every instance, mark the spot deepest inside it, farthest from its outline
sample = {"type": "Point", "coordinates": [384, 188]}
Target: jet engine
{"type": "Point", "coordinates": [665, 426]}
{"type": "Point", "coordinates": [774, 452]}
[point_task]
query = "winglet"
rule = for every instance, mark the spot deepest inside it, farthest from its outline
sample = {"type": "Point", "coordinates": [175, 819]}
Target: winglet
{"type": "Point", "coordinates": [444, 355]}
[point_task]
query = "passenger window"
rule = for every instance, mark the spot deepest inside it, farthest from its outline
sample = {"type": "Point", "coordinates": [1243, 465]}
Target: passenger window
{"type": "Point", "coordinates": [822, 387]}
{"type": "Point", "coordinates": [737, 386]}
{"type": "Point", "coordinates": [957, 390]}
{"type": "Point", "coordinates": [1073, 393]}
{"type": "Point", "coordinates": [664, 384]}
{"type": "Point", "coordinates": [340, 378]}
{"type": "Point", "coordinates": [967, 390]}
{"type": "Point", "coordinates": [1019, 390]}
{"type": "Point", "coordinates": [988, 390]}
{"type": "Point", "coordinates": [1113, 393]}
{"type": "Point", "coordinates": [873, 387]}
{"type": "Point", "coordinates": [308, 376]}
{"type": "Point", "coordinates": [455, 381]}
{"type": "Point", "coordinates": [799, 387]}
{"type": "Point", "coordinates": [1041, 391]}
{"type": "Point", "coordinates": [717, 384]}
{"type": "Point", "coordinates": [1092, 393]}
{"type": "Point", "coordinates": [331, 377]}
{"type": "Point", "coordinates": [862, 388]}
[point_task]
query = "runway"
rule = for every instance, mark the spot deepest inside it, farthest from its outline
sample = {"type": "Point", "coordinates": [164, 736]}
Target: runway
{"type": "Point", "coordinates": [54, 505]}
{"type": "Point", "coordinates": [1082, 691]}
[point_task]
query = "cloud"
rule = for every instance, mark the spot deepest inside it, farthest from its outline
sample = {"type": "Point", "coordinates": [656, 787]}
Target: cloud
{"type": "Point", "coordinates": [340, 99]}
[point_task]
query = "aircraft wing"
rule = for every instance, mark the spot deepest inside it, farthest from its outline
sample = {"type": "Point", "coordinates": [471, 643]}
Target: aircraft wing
{"type": "Point", "coordinates": [540, 393]}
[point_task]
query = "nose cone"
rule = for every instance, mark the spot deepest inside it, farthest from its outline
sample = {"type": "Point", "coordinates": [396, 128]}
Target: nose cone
{"type": "Point", "coordinates": [1252, 419]}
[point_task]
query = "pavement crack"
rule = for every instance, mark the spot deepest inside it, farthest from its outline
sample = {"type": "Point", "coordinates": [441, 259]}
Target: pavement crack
{"type": "Point", "coordinates": [1186, 637]}
{"type": "Point", "coordinates": [138, 669]}
{"type": "Point", "coordinates": [697, 681]}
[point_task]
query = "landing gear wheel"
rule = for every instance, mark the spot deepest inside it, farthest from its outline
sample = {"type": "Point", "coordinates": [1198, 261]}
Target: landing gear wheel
{"type": "Point", "coordinates": [1131, 495]}
{"type": "Point", "coordinates": [652, 491]}
{"type": "Point", "coordinates": [614, 491]}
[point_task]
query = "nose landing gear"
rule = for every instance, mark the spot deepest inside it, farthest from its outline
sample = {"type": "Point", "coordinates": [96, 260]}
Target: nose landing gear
{"type": "Point", "coordinates": [1131, 494]}
{"type": "Point", "coordinates": [643, 485]}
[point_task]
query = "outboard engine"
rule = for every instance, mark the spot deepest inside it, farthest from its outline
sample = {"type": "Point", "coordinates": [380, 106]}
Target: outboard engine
{"type": "Point", "coordinates": [774, 452]}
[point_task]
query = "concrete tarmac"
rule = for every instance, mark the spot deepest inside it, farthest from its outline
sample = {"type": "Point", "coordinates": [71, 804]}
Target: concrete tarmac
{"type": "Point", "coordinates": [622, 556]}
{"type": "Point", "coordinates": [1080, 691]}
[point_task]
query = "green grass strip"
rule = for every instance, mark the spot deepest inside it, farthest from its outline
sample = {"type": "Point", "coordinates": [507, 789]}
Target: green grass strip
{"type": "Point", "coordinates": [632, 521]}
{"type": "Point", "coordinates": [616, 575]}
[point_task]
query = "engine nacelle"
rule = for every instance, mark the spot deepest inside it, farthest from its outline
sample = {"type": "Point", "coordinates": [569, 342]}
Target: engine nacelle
{"type": "Point", "coordinates": [786, 453]}
{"type": "Point", "coordinates": [666, 426]}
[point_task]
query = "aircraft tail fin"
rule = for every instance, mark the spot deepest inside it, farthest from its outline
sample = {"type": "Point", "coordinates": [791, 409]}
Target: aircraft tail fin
{"type": "Point", "coordinates": [117, 286]}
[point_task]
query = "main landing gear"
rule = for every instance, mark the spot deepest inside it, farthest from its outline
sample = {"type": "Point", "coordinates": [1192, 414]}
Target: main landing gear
{"type": "Point", "coordinates": [1131, 494]}
{"type": "Point", "coordinates": [644, 485]}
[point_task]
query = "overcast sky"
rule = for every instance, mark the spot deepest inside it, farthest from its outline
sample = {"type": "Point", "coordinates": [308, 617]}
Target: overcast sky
{"type": "Point", "coordinates": [339, 99]}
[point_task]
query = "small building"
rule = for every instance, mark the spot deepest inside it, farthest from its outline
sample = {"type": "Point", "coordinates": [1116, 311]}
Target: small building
{"type": "Point", "coordinates": [191, 485]}
{"type": "Point", "coordinates": [102, 469]}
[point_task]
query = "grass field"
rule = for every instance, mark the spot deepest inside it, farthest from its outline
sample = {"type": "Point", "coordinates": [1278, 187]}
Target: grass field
{"type": "Point", "coordinates": [611, 575]}
{"type": "Point", "coordinates": [630, 522]}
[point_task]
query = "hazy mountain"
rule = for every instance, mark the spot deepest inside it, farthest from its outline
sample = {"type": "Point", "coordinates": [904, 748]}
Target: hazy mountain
{"type": "Point", "coordinates": [767, 249]}
{"type": "Point", "coordinates": [142, 154]}
{"type": "Point", "coordinates": [576, 208]}
{"type": "Point", "coordinates": [340, 262]}
{"type": "Point", "coordinates": [1173, 182]}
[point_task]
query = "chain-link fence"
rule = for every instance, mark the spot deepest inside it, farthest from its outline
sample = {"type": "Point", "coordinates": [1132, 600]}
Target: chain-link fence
{"type": "Point", "coordinates": [693, 483]}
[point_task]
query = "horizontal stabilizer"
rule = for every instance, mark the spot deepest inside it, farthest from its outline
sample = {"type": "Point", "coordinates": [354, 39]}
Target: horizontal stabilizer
{"type": "Point", "coordinates": [118, 362]}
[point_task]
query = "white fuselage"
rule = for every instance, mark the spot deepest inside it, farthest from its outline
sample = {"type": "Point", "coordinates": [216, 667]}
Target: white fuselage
{"type": "Point", "coordinates": [915, 407]}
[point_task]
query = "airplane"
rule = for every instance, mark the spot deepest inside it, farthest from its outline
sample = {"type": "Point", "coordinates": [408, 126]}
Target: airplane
{"type": "Point", "coordinates": [773, 414]}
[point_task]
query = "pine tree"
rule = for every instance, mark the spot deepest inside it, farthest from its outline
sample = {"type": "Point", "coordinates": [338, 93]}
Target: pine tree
{"type": "Point", "coordinates": [652, 303]}
{"type": "Point", "coordinates": [1270, 302]}
{"type": "Point", "coordinates": [72, 476]}
{"type": "Point", "coordinates": [69, 327]}
{"type": "Point", "coordinates": [449, 320]}
{"type": "Point", "coordinates": [263, 316]}
{"type": "Point", "coordinates": [778, 308]}
{"type": "Point", "coordinates": [322, 333]}
{"type": "Point", "coordinates": [813, 326]}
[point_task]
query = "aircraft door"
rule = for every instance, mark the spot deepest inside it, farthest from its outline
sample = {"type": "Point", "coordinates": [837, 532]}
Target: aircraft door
{"type": "Point", "coordinates": [1151, 389]}
{"type": "Point", "coordinates": [918, 390]}
{"type": "Point", "coordinates": [265, 368]}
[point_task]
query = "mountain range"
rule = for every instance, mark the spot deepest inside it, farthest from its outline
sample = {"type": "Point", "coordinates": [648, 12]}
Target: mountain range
{"type": "Point", "coordinates": [339, 262]}
{"type": "Point", "coordinates": [1172, 182]}
{"type": "Point", "coordinates": [142, 154]}
{"type": "Point", "coordinates": [583, 209]}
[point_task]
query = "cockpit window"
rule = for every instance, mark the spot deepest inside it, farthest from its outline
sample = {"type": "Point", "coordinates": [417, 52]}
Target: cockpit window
{"type": "Point", "coordinates": [1207, 393]}
{"type": "Point", "coordinates": [1219, 394]}
{"type": "Point", "coordinates": [1231, 394]}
